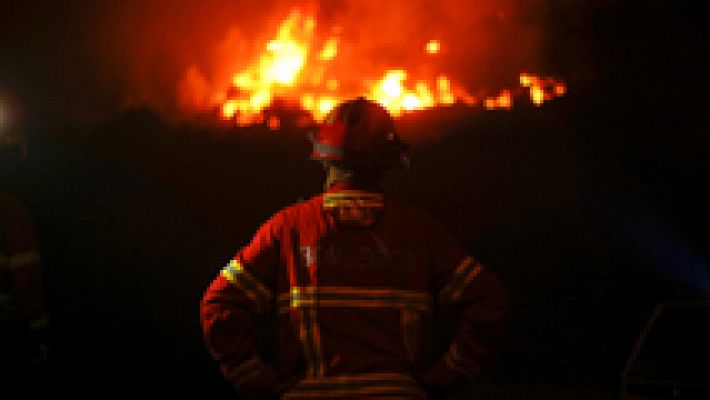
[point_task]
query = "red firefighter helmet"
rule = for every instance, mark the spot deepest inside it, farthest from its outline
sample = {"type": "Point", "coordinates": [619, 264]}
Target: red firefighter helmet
{"type": "Point", "coordinates": [360, 134]}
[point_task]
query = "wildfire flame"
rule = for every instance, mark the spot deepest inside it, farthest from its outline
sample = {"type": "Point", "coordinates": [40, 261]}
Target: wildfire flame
{"type": "Point", "coordinates": [294, 67]}
{"type": "Point", "coordinates": [433, 47]}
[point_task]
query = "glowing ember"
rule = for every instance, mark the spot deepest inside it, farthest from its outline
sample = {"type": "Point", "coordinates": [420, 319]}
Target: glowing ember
{"type": "Point", "coordinates": [295, 66]}
{"type": "Point", "coordinates": [433, 47]}
{"type": "Point", "coordinates": [273, 123]}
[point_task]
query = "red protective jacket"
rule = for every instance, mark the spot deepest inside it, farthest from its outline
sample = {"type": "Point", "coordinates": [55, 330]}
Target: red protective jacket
{"type": "Point", "coordinates": [21, 291]}
{"type": "Point", "coordinates": [352, 277]}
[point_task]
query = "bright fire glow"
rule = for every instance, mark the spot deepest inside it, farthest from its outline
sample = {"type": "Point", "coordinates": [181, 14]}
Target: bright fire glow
{"type": "Point", "coordinates": [542, 89]}
{"type": "Point", "coordinates": [330, 50]}
{"type": "Point", "coordinates": [294, 66]}
{"type": "Point", "coordinates": [433, 47]}
{"type": "Point", "coordinates": [503, 101]}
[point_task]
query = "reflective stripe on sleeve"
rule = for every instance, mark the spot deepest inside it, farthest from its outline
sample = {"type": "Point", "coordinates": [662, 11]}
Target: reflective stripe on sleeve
{"type": "Point", "coordinates": [466, 271]}
{"type": "Point", "coordinates": [454, 360]}
{"type": "Point", "coordinates": [252, 288]}
{"type": "Point", "coordinates": [245, 371]}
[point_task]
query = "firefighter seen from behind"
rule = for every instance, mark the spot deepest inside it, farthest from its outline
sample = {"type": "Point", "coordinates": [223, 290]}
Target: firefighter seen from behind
{"type": "Point", "coordinates": [352, 276]}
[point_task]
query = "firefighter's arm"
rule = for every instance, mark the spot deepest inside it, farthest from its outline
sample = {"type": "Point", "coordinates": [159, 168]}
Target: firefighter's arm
{"type": "Point", "coordinates": [242, 289]}
{"type": "Point", "coordinates": [463, 282]}
{"type": "Point", "coordinates": [28, 290]}
{"type": "Point", "coordinates": [27, 284]}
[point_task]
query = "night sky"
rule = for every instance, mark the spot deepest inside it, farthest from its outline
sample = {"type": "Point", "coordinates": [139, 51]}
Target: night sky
{"type": "Point", "coordinates": [592, 208]}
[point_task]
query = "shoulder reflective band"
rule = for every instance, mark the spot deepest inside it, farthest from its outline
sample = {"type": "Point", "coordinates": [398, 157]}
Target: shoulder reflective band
{"type": "Point", "coordinates": [355, 297]}
{"type": "Point", "coordinates": [352, 198]}
{"type": "Point", "coordinates": [252, 288]}
{"type": "Point", "coordinates": [461, 277]}
{"type": "Point", "coordinates": [375, 385]}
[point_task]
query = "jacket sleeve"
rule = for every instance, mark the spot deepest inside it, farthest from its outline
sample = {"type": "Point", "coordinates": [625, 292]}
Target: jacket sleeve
{"type": "Point", "coordinates": [27, 280]}
{"type": "Point", "coordinates": [24, 264]}
{"type": "Point", "coordinates": [243, 288]}
{"type": "Point", "coordinates": [461, 281]}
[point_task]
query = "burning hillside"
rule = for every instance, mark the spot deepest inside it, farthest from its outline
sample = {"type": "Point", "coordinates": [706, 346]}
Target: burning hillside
{"type": "Point", "coordinates": [313, 57]}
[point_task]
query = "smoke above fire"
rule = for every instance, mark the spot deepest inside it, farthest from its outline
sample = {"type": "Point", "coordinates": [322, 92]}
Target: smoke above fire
{"type": "Point", "coordinates": [232, 59]}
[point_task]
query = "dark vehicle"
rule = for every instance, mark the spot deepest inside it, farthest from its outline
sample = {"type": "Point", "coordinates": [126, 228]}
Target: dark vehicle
{"type": "Point", "coordinates": [671, 358]}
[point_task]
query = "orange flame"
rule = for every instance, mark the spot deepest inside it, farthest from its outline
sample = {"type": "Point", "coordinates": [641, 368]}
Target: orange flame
{"type": "Point", "coordinates": [432, 47]}
{"type": "Point", "coordinates": [542, 89]}
{"type": "Point", "coordinates": [294, 66]}
{"type": "Point", "coordinates": [503, 101]}
{"type": "Point", "coordinates": [330, 50]}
